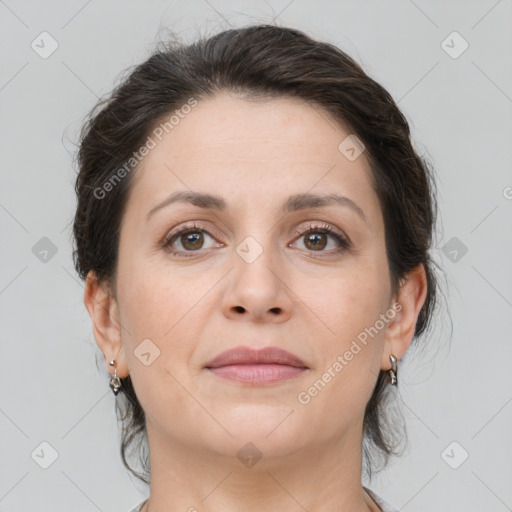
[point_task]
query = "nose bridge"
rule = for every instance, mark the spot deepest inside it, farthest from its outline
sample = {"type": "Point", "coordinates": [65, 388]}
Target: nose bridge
{"type": "Point", "coordinates": [253, 258]}
{"type": "Point", "coordinates": [256, 250]}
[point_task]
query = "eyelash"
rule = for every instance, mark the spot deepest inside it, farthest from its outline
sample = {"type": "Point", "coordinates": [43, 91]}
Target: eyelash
{"type": "Point", "coordinates": [343, 242]}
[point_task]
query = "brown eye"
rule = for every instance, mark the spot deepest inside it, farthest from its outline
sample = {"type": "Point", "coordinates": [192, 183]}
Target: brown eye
{"type": "Point", "coordinates": [192, 240]}
{"type": "Point", "coordinates": [324, 240]}
{"type": "Point", "coordinates": [315, 241]}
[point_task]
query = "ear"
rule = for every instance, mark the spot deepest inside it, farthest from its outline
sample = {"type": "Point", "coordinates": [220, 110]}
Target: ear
{"type": "Point", "coordinates": [104, 313]}
{"type": "Point", "coordinates": [407, 306]}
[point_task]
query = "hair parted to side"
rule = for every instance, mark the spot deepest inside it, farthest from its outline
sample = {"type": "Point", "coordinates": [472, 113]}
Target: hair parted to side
{"type": "Point", "coordinates": [259, 61]}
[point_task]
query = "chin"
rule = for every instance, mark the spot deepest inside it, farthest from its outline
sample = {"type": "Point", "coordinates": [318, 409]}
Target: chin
{"type": "Point", "coordinates": [272, 426]}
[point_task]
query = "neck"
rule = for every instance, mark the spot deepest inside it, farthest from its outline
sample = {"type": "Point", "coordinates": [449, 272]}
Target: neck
{"type": "Point", "coordinates": [316, 478]}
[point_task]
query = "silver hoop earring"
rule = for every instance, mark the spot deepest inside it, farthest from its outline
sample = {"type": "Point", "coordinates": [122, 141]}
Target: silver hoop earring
{"type": "Point", "coordinates": [394, 370]}
{"type": "Point", "coordinates": [115, 383]}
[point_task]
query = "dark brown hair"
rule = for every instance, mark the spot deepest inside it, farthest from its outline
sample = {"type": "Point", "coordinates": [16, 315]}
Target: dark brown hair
{"type": "Point", "coordinates": [261, 61]}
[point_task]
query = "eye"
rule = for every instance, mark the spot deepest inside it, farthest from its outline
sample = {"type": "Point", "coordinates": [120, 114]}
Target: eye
{"type": "Point", "coordinates": [191, 239]}
{"type": "Point", "coordinates": [318, 238]}
{"type": "Point", "coordinates": [188, 239]}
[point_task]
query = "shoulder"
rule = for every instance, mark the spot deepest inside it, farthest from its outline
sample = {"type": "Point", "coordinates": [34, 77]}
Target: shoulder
{"type": "Point", "coordinates": [138, 507]}
{"type": "Point", "coordinates": [384, 506]}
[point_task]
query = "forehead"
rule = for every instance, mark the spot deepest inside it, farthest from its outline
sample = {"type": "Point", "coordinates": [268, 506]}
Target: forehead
{"type": "Point", "coordinates": [266, 128]}
{"type": "Point", "coordinates": [252, 150]}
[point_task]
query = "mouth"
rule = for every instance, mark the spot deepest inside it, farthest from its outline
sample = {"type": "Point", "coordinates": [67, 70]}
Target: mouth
{"type": "Point", "coordinates": [256, 367]}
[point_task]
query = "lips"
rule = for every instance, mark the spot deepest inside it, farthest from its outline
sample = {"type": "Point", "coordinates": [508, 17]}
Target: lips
{"type": "Point", "coordinates": [248, 356]}
{"type": "Point", "coordinates": [250, 367]}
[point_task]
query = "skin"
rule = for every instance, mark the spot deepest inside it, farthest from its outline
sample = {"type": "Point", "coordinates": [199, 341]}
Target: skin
{"type": "Point", "coordinates": [307, 299]}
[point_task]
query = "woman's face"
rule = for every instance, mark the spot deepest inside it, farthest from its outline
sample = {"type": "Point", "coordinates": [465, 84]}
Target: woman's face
{"type": "Point", "coordinates": [248, 274]}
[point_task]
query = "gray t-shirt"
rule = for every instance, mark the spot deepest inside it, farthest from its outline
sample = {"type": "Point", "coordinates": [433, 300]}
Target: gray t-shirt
{"type": "Point", "coordinates": [385, 507]}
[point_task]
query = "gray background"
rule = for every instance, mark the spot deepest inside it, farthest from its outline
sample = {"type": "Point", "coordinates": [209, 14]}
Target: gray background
{"type": "Point", "coordinates": [52, 388]}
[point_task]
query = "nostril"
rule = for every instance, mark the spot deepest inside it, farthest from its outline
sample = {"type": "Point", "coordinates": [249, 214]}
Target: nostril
{"type": "Point", "coordinates": [239, 309]}
{"type": "Point", "coordinates": [275, 310]}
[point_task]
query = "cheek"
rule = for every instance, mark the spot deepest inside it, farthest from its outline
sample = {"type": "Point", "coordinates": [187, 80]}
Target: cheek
{"type": "Point", "coordinates": [347, 302]}
{"type": "Point", "coordinates": [350, 331]}
{"type": "Point", "coordinates": [346, 372]}
{"type": "Point", "coordinates": [160, 321]}
{"type": "Point", "coordinates": [155, 296]}
{"type": "Point", "coordinates": [150, 309]}
{"type": "Point", "coordinates": [168, 307]}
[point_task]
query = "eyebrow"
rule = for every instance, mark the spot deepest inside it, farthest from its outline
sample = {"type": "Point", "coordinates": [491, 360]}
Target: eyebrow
{"type": "Point", "coordinates": [293, 203]}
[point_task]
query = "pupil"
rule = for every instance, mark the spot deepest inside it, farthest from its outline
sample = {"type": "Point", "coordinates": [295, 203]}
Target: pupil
{"type": "Point", "coordinates": [317, 240]}
{"type": "Point", "coordinates": [192, 239]}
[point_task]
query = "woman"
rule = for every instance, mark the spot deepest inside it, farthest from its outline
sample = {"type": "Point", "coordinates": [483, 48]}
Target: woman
{"type": "Point", "coordinates": [253, 227]}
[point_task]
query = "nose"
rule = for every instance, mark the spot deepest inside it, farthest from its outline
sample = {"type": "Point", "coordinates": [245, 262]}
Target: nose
{"type": "Point", "coordinates": [257, 290]}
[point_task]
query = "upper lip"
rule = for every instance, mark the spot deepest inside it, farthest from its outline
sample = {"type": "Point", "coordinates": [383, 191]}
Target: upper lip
{"type": "Point", "coordinates": [247, 355]}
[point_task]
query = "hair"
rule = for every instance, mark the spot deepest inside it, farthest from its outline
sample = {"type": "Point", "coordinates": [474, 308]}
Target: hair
{"type": "Point", "coordinates": [258, 61]}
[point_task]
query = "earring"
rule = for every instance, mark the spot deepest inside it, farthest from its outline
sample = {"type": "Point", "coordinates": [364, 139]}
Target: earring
{"type": "Point", "coordinates": [393, 371]}
{"type": "Point", "coordinates": [115, 383]}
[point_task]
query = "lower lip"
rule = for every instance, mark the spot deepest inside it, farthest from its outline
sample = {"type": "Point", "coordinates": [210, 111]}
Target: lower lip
{"type": "Point", "coordinates": [257, 373]}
